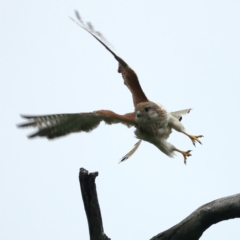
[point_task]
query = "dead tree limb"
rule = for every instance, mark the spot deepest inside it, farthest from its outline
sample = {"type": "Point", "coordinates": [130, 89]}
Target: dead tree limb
{"type": "Point", "coordinates": [91, 205]}
{"type": "Point", "coordinates": [192, 227]}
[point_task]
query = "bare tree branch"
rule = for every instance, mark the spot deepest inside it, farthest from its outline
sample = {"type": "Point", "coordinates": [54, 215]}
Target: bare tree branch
{"type": "Point", "coordinates": [192, 227]}
{"type": "Point", "coordinates": [91, 205]}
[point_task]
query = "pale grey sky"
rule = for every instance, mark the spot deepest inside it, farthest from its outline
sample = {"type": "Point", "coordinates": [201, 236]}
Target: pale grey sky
{"type": "Point", "coordinates": [186, 54]}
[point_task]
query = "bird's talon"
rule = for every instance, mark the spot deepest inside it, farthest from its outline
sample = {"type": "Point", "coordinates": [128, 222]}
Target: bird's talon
{"type": "Point", "coordinates": [185, 154]}
{"type": "Point", "coordinates": [195, 139]}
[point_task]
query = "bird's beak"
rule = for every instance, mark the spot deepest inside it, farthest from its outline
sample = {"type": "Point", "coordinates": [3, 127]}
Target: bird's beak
{"type": "Point", "coordinates": [139, 114]}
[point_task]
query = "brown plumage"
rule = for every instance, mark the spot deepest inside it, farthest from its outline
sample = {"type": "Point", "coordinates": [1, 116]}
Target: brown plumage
{"type": "Point", "coordinates": [151, 121]}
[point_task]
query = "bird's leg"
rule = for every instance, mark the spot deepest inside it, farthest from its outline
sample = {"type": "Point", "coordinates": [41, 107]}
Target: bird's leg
{"type": "Point", "coordinates": [193, 138]}
{"type": "Point", "coordinates": [185, 154]}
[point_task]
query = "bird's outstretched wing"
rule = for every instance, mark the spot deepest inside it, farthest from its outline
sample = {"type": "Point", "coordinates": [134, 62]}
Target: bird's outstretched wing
{"type": "Point", "coordinates": [129, 76]}
{"type": "Point", "coordinates": [53, 126]}
{"type": "Point", "coordinates": [178, 114]}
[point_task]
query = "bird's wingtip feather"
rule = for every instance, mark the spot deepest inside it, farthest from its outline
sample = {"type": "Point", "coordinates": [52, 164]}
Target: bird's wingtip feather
{"type": "Point", "coordinates": [123, 159]}
{"type": "Point", "coordinates": [32, 135]}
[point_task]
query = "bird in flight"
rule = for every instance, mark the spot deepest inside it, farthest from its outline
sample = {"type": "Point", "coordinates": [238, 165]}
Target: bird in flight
{"type": "Point", "coordinates": [152, 122]}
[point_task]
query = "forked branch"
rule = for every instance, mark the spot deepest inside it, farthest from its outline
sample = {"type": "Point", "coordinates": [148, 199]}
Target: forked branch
{"type": "Point", "coordinates": [191, 228]}
{"type": "Point", "coordinates": [91, 205]}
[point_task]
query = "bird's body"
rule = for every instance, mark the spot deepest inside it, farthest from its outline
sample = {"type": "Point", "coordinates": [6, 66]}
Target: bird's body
{"type": "Point", "coordinates": [153, 123]}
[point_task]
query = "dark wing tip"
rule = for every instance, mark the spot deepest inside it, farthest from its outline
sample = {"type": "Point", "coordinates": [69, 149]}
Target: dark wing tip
{"type": "Point", "coordinates": [26, 116]}
{"type": "Point", "coordinates": [33, 135]}
{"type": "Point", "coordinates": [43, 133]}
{"type": "Point", "coordinates": [77, 15]}
{"type": "Point", "coordinates": [98, 36]}
{"type": "Point", "coordinates": [22, 125]}
{"type": "Point", "coordinates": [123, 159]}
{"type": "Point", "coordinates": [28, 124]}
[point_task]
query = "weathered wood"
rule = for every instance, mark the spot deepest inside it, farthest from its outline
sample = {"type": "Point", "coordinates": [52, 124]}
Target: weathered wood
{"type": "Point", "coordinates": [91, 205]}
{"type": "Point", "coordinates": [192, 227]}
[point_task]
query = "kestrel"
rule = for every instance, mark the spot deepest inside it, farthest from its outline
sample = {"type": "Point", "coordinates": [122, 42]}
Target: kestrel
{"type": "Point", "coordinates": [153, 123]}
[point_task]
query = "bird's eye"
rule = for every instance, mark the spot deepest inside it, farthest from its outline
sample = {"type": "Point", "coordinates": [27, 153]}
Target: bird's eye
{"type": "Point", "coordinates": [146, 109]}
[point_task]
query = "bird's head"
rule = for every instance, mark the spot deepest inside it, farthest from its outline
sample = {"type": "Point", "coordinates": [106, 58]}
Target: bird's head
{"type": "Point", "coordinates": [146, 112]}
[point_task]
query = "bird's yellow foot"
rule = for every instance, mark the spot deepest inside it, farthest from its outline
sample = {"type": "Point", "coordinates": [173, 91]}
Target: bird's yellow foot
{"type": "Point", "coordinates": [185, 154]}
{"type": "Point", "coordinates": [195, 138]}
